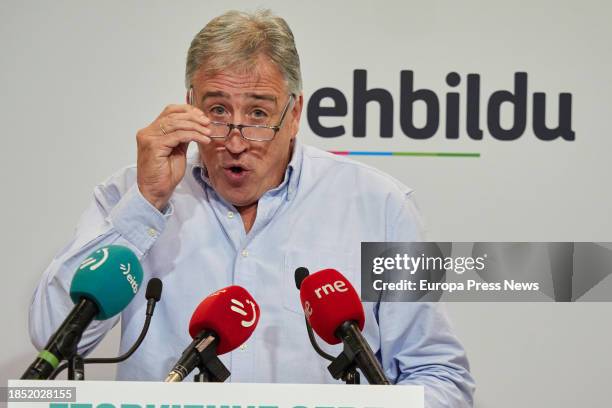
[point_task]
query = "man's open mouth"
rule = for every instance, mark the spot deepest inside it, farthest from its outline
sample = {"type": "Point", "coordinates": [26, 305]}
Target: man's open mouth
{"type": "Point", "coordinates": [236, 173]}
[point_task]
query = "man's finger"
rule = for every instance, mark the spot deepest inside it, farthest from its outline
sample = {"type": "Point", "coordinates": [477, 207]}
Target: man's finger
{"type": "Point", "coordinates": [171, 126]}
{"type": "Point", "coordinates": [183, 136]}
{"type": "Point", "coordinates": [193, 116]}
{"type": "Point", "coordinates": [179, 109]}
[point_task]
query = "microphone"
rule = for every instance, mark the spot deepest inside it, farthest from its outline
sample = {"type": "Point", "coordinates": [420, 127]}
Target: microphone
{"type": "Point", "coordinates": [333, 309]}
{"type": "Point", "coordinates": [153, 295]}
{"type": "Point", "coordinates": [103, 285]}
{"type": "Point", "coordinates": [222, 322]}
{"type": "Point", "coordinates": [301, 273]}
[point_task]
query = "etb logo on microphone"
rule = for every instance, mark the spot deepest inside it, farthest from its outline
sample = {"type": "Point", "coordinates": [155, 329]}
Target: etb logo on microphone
{"type": "Point", "coordinates": [125, 270]}
{"type": "Point", "coordinates": [99, 259]}
{"type": "Point", "coordinates": [238, 307]}
{"type": "Point", "coordinates": [94, 262]}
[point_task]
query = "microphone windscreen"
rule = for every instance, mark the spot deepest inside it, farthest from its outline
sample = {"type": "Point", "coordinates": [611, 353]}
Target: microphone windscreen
{"type": "Point", "coordinates": [329, 300]}
{"type": "Point", "coordinates": [231, 313]}
{"type": "Point", "coordinates": [110, 277]}
{"type": "Point", "coordinates": [300, 274]}
{"type": "Point", "coordinates": [154, 289]}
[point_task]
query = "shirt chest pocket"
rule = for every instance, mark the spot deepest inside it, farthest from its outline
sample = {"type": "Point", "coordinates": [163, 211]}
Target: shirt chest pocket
{"type": "Point", "coordinates": [315, 260]}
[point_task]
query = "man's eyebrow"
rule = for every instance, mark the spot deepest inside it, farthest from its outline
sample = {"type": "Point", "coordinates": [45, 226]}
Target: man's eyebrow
{"type": "Point", "coordinates": [213, 94]}
{"type": "Point", "coordinates": [265, 97]}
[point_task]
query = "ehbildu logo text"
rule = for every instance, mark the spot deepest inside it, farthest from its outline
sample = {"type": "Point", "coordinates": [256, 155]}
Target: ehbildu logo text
{"type": "Point", "coordinates": [464, 99]}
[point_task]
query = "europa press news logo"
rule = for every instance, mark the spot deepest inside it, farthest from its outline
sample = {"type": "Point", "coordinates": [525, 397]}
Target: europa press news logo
{"type": "Point", "coordinates": [463, 99]}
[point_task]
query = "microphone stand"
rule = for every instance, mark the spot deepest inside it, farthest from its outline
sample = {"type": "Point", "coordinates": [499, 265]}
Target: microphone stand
{"type": "Point", "coordinates": [76, 364]}
{"type": "Point", "coordinates": [76, 369]}
{"type": "Point", "coordinates": [357, 352]}
{"type": "Point", "coordinates": [212, 371]}
{"type": "Point", "coordinates": [343, 366]}
{"type": "Point", "coordinates": [210, 366]}
{"type": "Point", "coordinates": [201, 354]}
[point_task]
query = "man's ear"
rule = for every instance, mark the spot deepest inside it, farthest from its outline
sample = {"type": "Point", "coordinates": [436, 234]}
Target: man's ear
{"type": "Point", "coordinates": [296, 113]}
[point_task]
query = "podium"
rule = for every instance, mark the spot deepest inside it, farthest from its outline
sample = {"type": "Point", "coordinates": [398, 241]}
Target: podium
{"type": "Point", "coordinates": [130, 394]}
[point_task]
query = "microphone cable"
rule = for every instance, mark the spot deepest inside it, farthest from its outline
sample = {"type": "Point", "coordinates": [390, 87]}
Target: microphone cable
{"type": "Point", "coordinates": [153, 295]}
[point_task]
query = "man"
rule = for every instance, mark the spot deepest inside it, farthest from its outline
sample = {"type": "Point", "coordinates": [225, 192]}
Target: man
{"type": "Point", "coordinates": [248, 209]}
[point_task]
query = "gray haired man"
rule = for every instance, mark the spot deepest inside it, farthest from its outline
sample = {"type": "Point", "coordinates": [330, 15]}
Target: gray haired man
{"type": "Point", "coordinates": [249, 208]}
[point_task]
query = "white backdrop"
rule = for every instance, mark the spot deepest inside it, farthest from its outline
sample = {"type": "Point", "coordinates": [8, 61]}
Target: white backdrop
{"type": "Point", "coordinates": [77, 80]}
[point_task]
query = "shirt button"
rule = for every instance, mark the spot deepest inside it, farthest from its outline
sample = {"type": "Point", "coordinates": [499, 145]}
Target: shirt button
{"type": "Point", "coordinates": [230, 214]}
{"type": "Point", "coordinates": [152, 232]}
{"type": "Point", "coordinates": [244, 253]}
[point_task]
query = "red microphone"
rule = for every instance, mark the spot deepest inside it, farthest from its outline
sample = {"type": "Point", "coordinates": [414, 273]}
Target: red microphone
{"type": "Point", "coordinates": [328, 300]}
{"type": "Point", "coordinates": [231, 313]}
{"type": "Point", "coordinates": [333, 309]}
{"type": "Point", "coordinates": [222, 322]}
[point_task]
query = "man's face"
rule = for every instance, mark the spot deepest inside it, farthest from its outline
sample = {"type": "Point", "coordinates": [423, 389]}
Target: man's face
{"type": "Point", "coordinates": [241, 171]}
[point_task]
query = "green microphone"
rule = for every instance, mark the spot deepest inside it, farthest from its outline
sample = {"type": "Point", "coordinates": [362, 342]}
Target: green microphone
{"type": "Point", "coordinates": [103, 285]}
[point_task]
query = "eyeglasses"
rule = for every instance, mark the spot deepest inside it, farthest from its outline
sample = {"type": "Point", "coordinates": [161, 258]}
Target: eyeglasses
{"type": "Point", "coordinates": [255, 133]}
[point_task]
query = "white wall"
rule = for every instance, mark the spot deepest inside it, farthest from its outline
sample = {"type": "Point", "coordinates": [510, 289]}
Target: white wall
{"type": "Point", "coordinates": [77, 80]}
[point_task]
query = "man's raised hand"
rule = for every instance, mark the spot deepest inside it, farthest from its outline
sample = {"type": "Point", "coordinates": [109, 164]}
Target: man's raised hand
{"type": "Point", "coordinates": [162, 151]}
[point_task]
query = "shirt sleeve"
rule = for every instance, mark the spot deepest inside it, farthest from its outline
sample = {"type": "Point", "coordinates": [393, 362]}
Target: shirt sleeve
{"type": "Point", "coordinates": [112, 218]}
{"type": "Point", "coordinates": [418, 345]}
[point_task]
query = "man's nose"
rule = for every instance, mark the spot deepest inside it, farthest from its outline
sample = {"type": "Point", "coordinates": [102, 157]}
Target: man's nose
{"type": "Point", "coordinates": [235, 143]}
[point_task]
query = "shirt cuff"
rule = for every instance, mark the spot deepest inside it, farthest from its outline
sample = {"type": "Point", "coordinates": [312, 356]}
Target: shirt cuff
{"type": "Point", "coordinates": [137, 220]}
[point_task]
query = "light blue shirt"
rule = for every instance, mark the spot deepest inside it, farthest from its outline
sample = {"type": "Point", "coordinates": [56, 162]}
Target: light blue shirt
{"type": "Point", "coordinates": [317, 218]}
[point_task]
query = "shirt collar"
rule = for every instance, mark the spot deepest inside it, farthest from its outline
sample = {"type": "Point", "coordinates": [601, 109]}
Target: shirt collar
{"type": "Point", "coordinates": [290, 181]}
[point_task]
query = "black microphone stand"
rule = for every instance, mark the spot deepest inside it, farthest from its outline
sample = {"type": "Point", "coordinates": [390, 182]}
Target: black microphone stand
{"type": "Point", "coordinates": [343, 367]}
{"type": "Point", "coordinates": [211, 368]}
{"type": "Point", "coordinates": [76, 364]}
{"type": "Point", "coordinates": [76, 369]}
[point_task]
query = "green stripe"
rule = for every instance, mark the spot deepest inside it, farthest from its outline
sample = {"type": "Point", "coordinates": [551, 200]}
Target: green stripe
{"type": "Point", "coordinates": [49, 358]}
{"type": "Point", "coordinates": [435, 154]}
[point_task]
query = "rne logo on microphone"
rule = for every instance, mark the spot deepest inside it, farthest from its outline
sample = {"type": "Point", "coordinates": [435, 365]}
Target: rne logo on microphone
{"type": "Point", "coordinates": [238, 307]}
{"type": "Point", "coordinates": [329, 288]}
{"type": "Point", "coordinates": [307, 309]}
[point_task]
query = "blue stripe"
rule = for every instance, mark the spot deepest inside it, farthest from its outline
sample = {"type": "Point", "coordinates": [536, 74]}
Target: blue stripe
{"type": "Point", "coordinates": [370, 153]}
